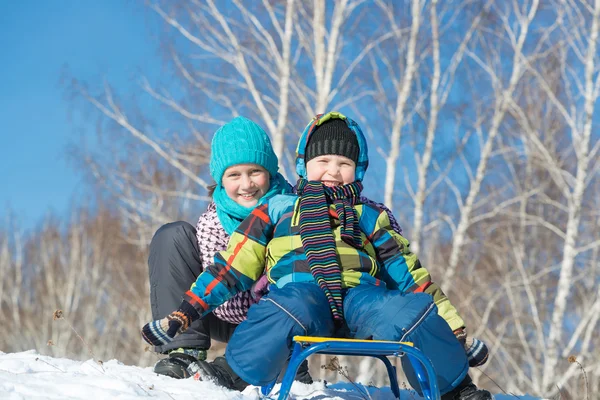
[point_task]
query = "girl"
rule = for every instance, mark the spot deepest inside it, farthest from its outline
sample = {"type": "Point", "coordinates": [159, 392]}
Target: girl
{"type": "Point", "coordinates": [245, 170]}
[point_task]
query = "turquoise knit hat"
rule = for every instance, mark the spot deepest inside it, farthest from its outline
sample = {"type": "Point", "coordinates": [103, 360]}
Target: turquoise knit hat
{"type": "Point", "coordinates": [241, 141]}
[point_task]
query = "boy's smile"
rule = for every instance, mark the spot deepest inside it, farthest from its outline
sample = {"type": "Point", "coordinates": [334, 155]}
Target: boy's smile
{"type": "Point", "coordinates": [332, 183]}
{"type": "Point", "coordinates": [332, 170]}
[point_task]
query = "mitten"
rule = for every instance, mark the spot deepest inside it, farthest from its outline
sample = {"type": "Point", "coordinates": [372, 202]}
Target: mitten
{"type": "Point", "coordinates": [477, 351]}
{"type": "Point", "coordinates": [163, 331]}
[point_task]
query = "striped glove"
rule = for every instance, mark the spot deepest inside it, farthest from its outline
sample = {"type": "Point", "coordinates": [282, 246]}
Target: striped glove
{"type": "Point", "coordinates": [163, 331]}
{"type": "Point", "coordinates": [477, 351]}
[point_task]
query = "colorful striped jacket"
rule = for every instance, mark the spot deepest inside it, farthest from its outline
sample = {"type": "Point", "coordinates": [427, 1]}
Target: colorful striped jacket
{"type": "Point", "coordinates": [270, 239]}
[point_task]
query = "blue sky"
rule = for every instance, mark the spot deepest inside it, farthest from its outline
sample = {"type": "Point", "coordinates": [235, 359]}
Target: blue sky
{"type": "Point", "coordinates": [38, 39]}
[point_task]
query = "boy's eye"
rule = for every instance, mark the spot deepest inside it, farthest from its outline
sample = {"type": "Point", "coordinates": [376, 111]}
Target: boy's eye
{"type": "Point", "coordinates": [233, 175]}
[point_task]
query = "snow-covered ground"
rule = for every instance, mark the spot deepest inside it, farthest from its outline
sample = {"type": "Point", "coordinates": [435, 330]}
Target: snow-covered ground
{"type": "Point", "coordinates": [29, 375]}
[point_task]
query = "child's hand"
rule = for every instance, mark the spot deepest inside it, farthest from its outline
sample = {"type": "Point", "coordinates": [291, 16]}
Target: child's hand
{"type": "Point", "coordinates": [163, 331]}
{"type": "Point", "coordinates": [260, 288]}
{"type": "Point", "coordinates": [477, 351]}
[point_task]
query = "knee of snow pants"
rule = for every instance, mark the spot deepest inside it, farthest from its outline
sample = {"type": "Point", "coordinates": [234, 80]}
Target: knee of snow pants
{"type": "Point", "coordinates": [261, 345]}
{"type": "Point", "coordinates": [383, 314]}
{"type": "Point", "coordinates": [174, 264]}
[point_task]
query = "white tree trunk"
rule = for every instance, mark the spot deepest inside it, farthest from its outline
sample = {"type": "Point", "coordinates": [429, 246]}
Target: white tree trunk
{"type": "Point", "coordinates": [460, 236]}
{"type": "Point", "coordinates": [326, 54]}
{"type": "Point", "coordinates": [284, 85]}
{"type": "Point", "coordinates": [423, 165]}
{"type": "Point", "coordinates": [402, 98]}
{"type": "Point", "coordinates": [581, 142]}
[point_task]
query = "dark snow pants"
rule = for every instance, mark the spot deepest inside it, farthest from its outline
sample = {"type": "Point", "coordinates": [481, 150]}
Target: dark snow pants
{"type": "Point", "coordinates": [174, 264]}
{"type": "Point", "coordinates": [260, 345]}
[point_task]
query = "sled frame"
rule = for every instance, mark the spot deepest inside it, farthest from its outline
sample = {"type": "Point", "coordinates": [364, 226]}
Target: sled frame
{"type": "Point", "coordinates": [304, 346]}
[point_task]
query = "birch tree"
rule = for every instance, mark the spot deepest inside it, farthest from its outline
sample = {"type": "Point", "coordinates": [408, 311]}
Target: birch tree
{"type": "Point", "coordinates": [550, 310]}
{"type": "Point", "coordinates": [576, 106]}
{"type": "Point", "coordinates": [403, 86]}
{"type": "Point", "coordinates": [581, 133]}
{"type": "Point", "coordinates": [439, 91]}
{"type": "Point", "coordinates": [503, 94]}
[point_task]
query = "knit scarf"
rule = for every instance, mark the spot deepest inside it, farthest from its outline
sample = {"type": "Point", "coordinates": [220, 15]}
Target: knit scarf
{"type": "Point", "coordinates": [231, 214]}
{"type": "Point", "coordinates": [317, 237]}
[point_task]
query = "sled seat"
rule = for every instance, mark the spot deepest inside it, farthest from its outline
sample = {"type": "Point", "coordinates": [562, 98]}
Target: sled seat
{"type": "Point", "coordinates": [304, 346]}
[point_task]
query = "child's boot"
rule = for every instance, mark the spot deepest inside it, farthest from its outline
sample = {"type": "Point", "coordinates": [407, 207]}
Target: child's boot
{"type": "Point", "coordinates": [221, 373]}
{"type": "Point", "coordinates": [217, 371]}
{"type": "Point", "coordinates": [303, 374]}
{"type": "Point", "coordinates": [467, 390]}
{"type": "Point", "coordinates": [176, 364]}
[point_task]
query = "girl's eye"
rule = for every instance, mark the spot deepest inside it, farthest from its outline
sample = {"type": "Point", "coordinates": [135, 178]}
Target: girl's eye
{"type": "Point", "coordinates": [233, 175]}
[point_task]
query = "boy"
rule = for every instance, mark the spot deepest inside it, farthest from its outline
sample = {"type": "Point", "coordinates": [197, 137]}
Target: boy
{"type": "Point", "coordinates": [335, 265]}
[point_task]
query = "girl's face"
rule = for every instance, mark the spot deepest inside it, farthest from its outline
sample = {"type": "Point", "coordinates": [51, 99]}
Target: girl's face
{"type": "Point", "coordinates": [331, 170]}
{"type": "Point", "coordinates": [246, 183]}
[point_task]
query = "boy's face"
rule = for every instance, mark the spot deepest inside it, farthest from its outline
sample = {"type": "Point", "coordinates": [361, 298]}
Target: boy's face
{"type": "Point", "coordinates": [331, 170]}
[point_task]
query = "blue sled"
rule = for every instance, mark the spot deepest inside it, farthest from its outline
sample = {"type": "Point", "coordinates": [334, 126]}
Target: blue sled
{"type": "Point", "coordinates": [306, 345]}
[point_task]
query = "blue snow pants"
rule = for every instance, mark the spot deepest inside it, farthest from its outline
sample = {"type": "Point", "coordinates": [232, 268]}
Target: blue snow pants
{"type": "Point", "coordinates": [260, 346]}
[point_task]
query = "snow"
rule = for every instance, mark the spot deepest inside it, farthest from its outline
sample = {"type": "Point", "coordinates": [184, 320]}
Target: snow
{"type": "Point", "coordinates": [29, 375]}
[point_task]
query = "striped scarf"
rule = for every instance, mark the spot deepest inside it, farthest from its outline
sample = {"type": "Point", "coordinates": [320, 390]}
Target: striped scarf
{"type": "Point", "coordinates": [317, 237]}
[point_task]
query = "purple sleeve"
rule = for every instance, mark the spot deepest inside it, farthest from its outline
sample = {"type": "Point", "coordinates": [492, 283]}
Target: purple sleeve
{"type": "Point", "coordinates": [382, 206]}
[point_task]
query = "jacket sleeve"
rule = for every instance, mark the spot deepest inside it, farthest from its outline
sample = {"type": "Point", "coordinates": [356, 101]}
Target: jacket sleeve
{"type": "Point", "coordinates": [237, 268]}
{"type": "Point", "coordinates": [393, 223]}
{"type": "Point", "coordinates": [402, 269]}
{"type": "Point", "coordinates": [199, 224]}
